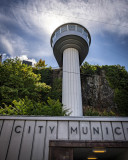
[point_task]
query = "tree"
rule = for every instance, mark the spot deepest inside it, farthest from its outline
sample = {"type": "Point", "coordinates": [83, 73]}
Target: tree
{"type": "Point", "coordinates": [18, 80]}
{"type": "Point", "coordinates": [41, 64]}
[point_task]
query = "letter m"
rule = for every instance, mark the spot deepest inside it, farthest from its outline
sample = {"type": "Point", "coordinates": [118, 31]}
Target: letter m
{"type": "Point", "coordinates": [73, 130]}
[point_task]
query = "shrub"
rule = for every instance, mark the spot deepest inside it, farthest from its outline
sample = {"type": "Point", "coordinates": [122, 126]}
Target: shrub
{"type": "Point", "coordinates": [91, 111]}
{"type": "Point", "coordinates": [28, 107]}
{"type": "Point", "coordinates": [56, 90]}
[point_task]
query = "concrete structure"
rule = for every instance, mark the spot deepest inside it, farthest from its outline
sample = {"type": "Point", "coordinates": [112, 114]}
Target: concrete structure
{"type": "Point", "coordinates": [30, 138]}
{"type": "Point", "coordinates": [70, 43]}
{"type": "Point", "coordinates": [27, 62]}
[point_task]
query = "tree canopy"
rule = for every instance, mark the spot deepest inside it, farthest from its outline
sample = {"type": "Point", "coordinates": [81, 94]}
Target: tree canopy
{"type": "Point", "coordinates": [41, 63]}
{"type": "Point", "coordinates": [20, 86]}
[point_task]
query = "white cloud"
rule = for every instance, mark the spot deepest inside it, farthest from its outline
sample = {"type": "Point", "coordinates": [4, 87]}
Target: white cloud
{"type": "Point", "coordinates": [42, 17]}
{"type": "Point", "coordinates": [97, 15]}
{"type": "Point", "coordinates": [10, 42]}
{"type": "Point", "coordinates": [24, 57]}
{"type": "Point", "coordinates": [7, 45]}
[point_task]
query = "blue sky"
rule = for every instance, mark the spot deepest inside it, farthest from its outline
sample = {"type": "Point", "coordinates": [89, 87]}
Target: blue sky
{"type": "Point", "coordinates": [26, 27]}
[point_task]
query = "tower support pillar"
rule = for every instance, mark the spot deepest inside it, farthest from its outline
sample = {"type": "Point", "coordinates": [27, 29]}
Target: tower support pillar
{"type": "Point", "coordinates": [71, 87]}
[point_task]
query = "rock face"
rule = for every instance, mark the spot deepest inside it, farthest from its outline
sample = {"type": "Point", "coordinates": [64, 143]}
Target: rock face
{"type": "Point", "coordinates": [57, 73]}
{"type": "Point", "coordinates": [96, 91]}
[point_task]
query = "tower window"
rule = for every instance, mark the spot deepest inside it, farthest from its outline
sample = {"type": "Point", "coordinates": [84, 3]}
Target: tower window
{"type": "Point", "coordinates": [85, 34]}
{"type": "Point", "coordinates": [71, 27]}
{"type": "Point", "coordinates": [57, 32]}
{"type": "Point", "coordinates": [79, 29]}
{"type": "Point", "coordinates": [53, 37]}
{"type": "Point", "coordinates": [64, 28]}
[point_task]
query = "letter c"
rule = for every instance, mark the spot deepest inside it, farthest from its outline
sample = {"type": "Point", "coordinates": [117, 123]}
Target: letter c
{"type": "Point", "coordinates": [16, 129]}
{"type": "Point", "coordinates": [116, 130]}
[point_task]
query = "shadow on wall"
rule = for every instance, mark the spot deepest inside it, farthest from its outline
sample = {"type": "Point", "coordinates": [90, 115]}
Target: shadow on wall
{"type": "Point", "coordinates": [123, 156]}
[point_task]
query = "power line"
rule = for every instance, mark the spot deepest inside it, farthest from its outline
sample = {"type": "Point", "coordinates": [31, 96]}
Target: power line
{"type": "Point", "coordinates": [84, 73]}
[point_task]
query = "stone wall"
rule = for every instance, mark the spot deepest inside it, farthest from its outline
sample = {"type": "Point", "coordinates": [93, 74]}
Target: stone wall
{"type": "Point", "coordinates": [57, 73]}
{"type": "Point", "coordinates": [96, 91]}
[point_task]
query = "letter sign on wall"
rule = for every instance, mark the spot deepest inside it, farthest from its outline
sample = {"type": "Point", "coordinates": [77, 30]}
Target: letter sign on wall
{"type": "Point", "coordinates": [27, 138]}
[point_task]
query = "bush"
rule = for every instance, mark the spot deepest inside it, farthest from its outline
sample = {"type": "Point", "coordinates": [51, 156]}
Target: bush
{"type": "Point", "coordinates": [56, 90]}
{"type": "Point", "coordinates": [121, 99]}
{"type": "Point", "coordinates": [45, 73]}
{"type": "Point", "coordinates": [28, 107]}
{"type": "Point", "coordinates": [87, 69]}
{"type": "Point", "coordinates": [91, 111]}
{"type": "Point", "coordinates": [117, 77]}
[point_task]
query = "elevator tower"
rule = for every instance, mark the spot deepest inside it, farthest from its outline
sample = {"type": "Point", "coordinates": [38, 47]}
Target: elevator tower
{"type": "Point", "coordinates": [70, 43]}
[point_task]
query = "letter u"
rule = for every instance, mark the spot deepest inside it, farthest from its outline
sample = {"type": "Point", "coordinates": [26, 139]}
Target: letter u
{"type": "Point", "coordinates": [84, 131]}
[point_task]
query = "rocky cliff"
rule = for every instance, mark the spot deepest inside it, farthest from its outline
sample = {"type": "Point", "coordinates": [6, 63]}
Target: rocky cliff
{"type": "Point", "coordinates": [96, 92]}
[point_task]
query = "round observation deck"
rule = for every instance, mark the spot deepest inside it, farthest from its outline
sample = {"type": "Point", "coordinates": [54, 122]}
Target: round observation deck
{"type": "Point", "coordinates": [70, 35]}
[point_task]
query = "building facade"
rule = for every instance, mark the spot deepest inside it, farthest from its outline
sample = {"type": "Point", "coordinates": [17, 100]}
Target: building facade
{"type": "Point", "coordinates": [39, 138]}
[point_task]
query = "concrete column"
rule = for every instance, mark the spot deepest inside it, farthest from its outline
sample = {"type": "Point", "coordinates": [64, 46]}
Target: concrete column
{"type": "Point", "coordinates": [71, 88]}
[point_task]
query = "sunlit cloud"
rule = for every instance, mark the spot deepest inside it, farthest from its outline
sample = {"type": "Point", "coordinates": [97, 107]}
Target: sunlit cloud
{"type": "Point", "coordinates": [106, 15]}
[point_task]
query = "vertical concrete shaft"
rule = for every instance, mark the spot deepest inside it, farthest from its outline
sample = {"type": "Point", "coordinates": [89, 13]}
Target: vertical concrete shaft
{"type": "Point", "coordinates": [71, 91]}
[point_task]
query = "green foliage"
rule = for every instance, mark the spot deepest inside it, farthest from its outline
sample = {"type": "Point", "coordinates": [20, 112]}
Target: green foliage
{"type": "Point", "coordinates": [28, 107]}
{"type": "Point", "coordinates": [54, 108]}
{"type": "Point", "coordinates": [121, 99]}
{"type": "Point", "coordinates": [45, 73]}
{"type": "Point", "coordinates": [87, 69]}
{"type": "Point", "coordinates": [23, 90]}
{"type": "Point", "coordinates": [56, 84]}
{"type": "Point", "coordinates": [41, 64]}
{"type": "Point", "coordinates": [91, 111]}
{"type": "Point", "coordinates": [117, 77]}
{"type": "Point", "coordinates": [7, 94]}
{"type": "Point", "coordinates": [56, 91]}
{"type": "Point", "coordinates": [18, 80]}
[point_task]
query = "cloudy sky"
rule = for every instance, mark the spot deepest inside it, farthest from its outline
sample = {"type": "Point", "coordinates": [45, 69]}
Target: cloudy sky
{"type": "Point", "coordinates": [26, 27]}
